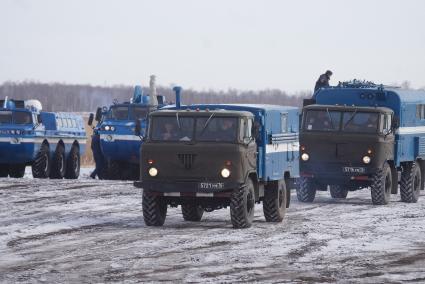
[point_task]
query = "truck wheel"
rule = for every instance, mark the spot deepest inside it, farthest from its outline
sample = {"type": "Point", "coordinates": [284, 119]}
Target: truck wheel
{"type": "Point", "coordinates": [154, 209]}
{"type": "Point", "coordinates": [17, 170]}
{"type": "Point", "coordinates": [242, 205]}
{"type": "Point", "coordinates": [306, 192]}
{"type": "Point", "coordinates": [192, 212]}
{"type": "Point", "coordinates": [41, 165]}
{"type": "Point", "coordinates": [4, 170]}
{"type": "Point", "coordinates": [274, 202]}
{"type": "Point", "coordinates": [381, 185]}
{"type": "Point", "coordinates": [114, 170]}
{"type": "Point", "coordinates": [410, 184]}
{"type": "Point", "coordinates": [337, 191]}
{"type": "Point", "coordinates": [58, 163]}
{"type": "Point", "coordinates": [73, 163]}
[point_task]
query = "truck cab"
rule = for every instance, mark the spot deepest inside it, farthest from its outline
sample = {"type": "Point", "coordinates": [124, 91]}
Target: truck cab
{"type": "Point", "coordinates": [350, 139]}
{"type": "Point", "coordinates": [119, 146]}
{"type": "Point", "coordinates": [208, 157]}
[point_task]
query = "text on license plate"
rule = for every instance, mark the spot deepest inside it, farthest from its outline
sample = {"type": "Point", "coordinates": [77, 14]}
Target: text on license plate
{"type": "Point", "coordinates": [211, 185]}
{"type": "Point", "coordinates": [359, 170]}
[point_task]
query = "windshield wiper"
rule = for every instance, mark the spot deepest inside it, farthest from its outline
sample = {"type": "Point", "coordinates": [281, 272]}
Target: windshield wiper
{"type": "Point", "coordinates": [206, 124]}
{"type": "Point", "coordinates": [351, 118]}
{"type": "Point", "coordinates": [178, 120]}
{"type": "Point", "coordinates": [330, 119]}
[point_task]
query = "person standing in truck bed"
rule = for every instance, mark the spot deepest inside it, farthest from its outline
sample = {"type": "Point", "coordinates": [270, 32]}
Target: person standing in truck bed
{"type": "Point", "coordinates": [323, 81]}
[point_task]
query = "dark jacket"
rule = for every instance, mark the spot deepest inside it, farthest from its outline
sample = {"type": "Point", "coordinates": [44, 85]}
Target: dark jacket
{"type": "Point", "coordinates": [322, 82]}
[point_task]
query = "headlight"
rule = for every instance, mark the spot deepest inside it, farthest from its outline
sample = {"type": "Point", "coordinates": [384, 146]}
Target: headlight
{"type": "Point", "coordinates": [107, 127]}
{"type": "Point", "coordinates": [225, 173]}
{"type": "Point", "coordinates": [112, 128]}
{"type": "Point", "coordinates": [153, 172]}
{"type": "Point", "coordinates": [12, 132]}
{"type": "Point", "coordinates": [366, 159]}
{"type": "Point", "coordinates": [18, 132]}
{"type": "Point", "coordinates": [305, 157]}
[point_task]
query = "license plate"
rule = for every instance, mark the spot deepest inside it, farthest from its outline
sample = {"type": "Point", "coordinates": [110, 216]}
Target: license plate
{"type": "Point", "coordinates": [211, 185]}
{"type": "Point", "coordinates": [357, 170]}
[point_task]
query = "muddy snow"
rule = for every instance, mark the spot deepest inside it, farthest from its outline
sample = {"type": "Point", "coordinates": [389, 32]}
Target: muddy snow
{"type": "Point", "coordinates": [87, 231]}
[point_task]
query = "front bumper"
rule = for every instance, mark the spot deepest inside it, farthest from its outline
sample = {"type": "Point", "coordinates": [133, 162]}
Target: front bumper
{"type": "Point", "coordinates": [17, 151]}
{"type": "Point", "coordinates": [187, 186]}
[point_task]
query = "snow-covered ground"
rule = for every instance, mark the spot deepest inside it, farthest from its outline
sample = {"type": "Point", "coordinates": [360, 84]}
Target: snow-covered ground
{"type": "Point", "coordinates": [90, 231]}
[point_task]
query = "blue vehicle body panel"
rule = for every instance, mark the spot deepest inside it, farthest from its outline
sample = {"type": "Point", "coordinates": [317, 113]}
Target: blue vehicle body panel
{"type": "Point", "coordinates": [19, 143]}
{"type": "Point", "coordinates": [121, 143]}
{"type": "Point", "coordinates": [408, 107]}
{"type": "Point", "coordinates": [278, 145]}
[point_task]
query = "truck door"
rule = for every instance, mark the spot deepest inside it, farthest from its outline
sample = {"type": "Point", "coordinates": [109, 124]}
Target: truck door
{"type": "Point", "coordinates": [247, 138]}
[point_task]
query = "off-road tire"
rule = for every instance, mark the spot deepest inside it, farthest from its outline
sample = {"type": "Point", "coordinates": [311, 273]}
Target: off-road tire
{"type": "Point", "coordinates": [274, 202]}
{"type": "Point", "coordinates": [338, 191]}
{"type": "Point", "coordinates": [192, 212]}
{"type": "Point", "coordinates": [306, 192]}
{"type": "Point", "coordinates": [41, 165]}
{"type": "Point", "coordinates": [242, 206]}
{"type": "Point", "coordinates": [73, 163]}
{"type": "Point", "coordinates": [380, 188]}
{"type": "Point", "coordinates": [154, 209]}
{"type": "Point", "coordinates": [410, 184]}
{"type": "Point", "coordinates": [58, 168]}
{"type": "Point", "coordinates": [17, 170]}
{"type": "Point", "coordinates": [114, 170]}
{"type": "Point", "coordinates": [4, 170]}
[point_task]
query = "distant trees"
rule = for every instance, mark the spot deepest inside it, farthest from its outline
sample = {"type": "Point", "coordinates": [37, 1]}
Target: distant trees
{"type": "Point", "coordinates": [84, 98]}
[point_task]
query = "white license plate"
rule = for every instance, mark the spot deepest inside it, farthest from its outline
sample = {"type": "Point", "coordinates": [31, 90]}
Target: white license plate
{"type": "Point", "coordinates": [357, 170]}
{"type": "Point", "coordinates": [211, 185]}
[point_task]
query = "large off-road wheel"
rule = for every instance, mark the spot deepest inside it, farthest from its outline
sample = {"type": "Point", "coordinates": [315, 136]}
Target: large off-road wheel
{"type": "Point", "coordinates": [274, 202]}
{"type": "Point", "coordinates": [58, 168]}
{"type": "Point", "coordinates": [114, 170]}
{"type": "Point", "coordinates": [338, 191]}
{"type": "Point", "coordinates": [192, 212]}
{"type": "Point", "coordinates": [41, 165]}
{"type": "Point", "coordinates": [154, 209]}
{"type": "Point", "coordinates": [410, 184]}
{"type": "Point", "coordinates": [4, 170]}
{"type": "Point", "coordinates": [306, 192]}
{"type": "Point", "coordinates": [242, 205]}
{"type": "Point", "coordinates": [73, 163]}
{"type": "Point", "coordinates": [17, 170]}
{"type": "Point", "coordinates": [381, 185]}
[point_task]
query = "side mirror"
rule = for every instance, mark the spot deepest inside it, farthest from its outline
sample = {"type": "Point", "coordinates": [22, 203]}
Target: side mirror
{"type": "Point", "coordinates": [138, 128]}
{"type": "Point", "coordinates": [98, 116]}
{"type": "Point", "coordinates": [395, 122]}
{"type": "Point", "coordinates": [39, 120]}
{"type": "Point", "coordinates": [256, 131]}
{"type": "Point", "coordinates": [91, 117]}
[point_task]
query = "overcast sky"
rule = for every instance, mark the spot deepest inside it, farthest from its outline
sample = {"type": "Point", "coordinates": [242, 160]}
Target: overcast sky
{"type": "Point", "coordinates": [213, 43]}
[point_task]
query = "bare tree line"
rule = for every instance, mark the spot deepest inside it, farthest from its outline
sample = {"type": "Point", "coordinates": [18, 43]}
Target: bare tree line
{"type": "Point", "coordinates": [84, 98]}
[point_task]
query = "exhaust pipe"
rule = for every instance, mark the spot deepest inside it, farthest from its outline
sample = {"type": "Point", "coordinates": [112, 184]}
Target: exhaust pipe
{"type": "Point", "coordinates": [153, 101]}
{"type": "Point", "coordinates": [177, 90]}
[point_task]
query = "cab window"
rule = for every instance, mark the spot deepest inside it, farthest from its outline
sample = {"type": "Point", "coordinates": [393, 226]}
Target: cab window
{"type": "Point", "coordinates": [119, 113]}
{"type": "Point", "coordinates": [22, 117]}
{"type": "Point", "coordinates": [284, 123]}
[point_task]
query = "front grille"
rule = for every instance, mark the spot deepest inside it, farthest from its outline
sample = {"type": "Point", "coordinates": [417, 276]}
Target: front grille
{"type": "Point", "coordinates": [187, 160]}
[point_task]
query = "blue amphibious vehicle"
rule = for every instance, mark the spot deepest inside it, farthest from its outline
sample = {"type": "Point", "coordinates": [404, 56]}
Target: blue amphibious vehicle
{"type": "Point", "coordinates": [49, 142]}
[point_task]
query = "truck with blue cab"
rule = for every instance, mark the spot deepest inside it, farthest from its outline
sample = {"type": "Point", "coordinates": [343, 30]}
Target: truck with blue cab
{"type": "Point", "coordinates": [206, 157]}
{"type": "Point", "coordinates": [51, 143]}
{"type": "Point", "coordinates": [119, 146]}
{"type": "Point", "coordinates": [362, 135]}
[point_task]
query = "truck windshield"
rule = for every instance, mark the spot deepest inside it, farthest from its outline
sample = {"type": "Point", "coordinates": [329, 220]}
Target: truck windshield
{"type": "Point", "coordinates": [5, 117]}
{"type": "Point", "coordinates": [118, 113]}
{"type": "Point", "coordinates": [360, 122]}
{"type": "Point", "coordinates": [352, 121]}
{"type": "Point", "coordinates": [208, 128]}
{"type": "Point", "coordinates": [322, 120]}
{"type": "Point", "coordinates": [139, 112]}
{"type": "Point", "coordinates": [15, 117]}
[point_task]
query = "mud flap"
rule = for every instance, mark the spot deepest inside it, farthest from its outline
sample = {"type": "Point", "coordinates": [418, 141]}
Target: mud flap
{"type": "Point", "coordinates": [394, 174]}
